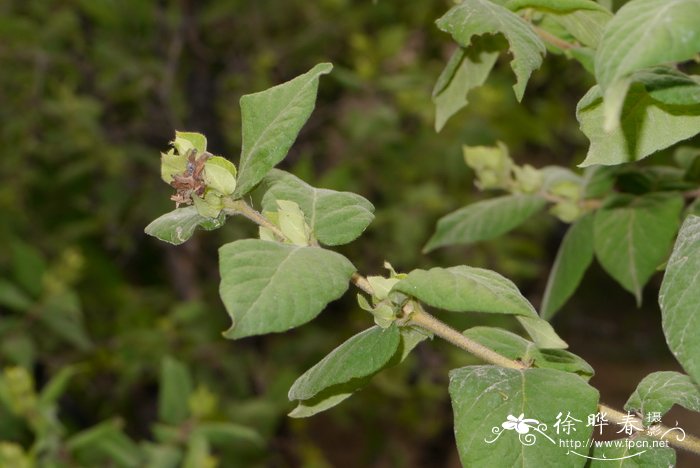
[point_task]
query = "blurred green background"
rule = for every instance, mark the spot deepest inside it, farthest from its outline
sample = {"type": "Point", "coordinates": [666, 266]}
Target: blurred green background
{"type": "Point", "coordinates": [92, 90]}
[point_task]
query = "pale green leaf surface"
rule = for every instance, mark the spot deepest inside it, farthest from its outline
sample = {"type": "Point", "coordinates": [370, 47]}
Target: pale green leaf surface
{"type": "Point", "coordinates": [484, 396]}
{"type": "Point", "coordinates": [484, 220]}
{"type": "Point", "coordinates": [466, 70]}
{"type": "Point", "coordinates": [573, 258]}
{"type": "Point", "coordinates": [633, 236]}
{"type": "Point", "coordinates": [679, 298]}
{"type": "Point", "coordinates": [465, 289]}
{"type": "Point", "coordinates": [646, 126]}
{"type": "Point", "coordinates": [515, 347]}
{"type": "Point", "coordinates": [541, 332]}
{"type": "Point", "coordinates": [272, 287]}
{"type": "Point", "coordinates": [644, 33]}
{"type": "Point", "coordinates": [334, 217]}
{"type": "Point", "coordinates": [185, 141]}
{"type": "Point", "coordinates": [583, 19]}
{"type": "Point", "coordinates": [178, 226]}
{"type": "Point", "coordinates": [220, 175]}
{"type": "Point", "coordinates": [659, 391]}
{"type": "Point", "coordinates": [210, 206]}
{"type": "Point", "coordinates": [478, 17]}
{"type": "Point", "coordinates": [362, 355]}
{"type": "Point", "coordinates": [292, 223]}
{"type": "Point", "coordinates": [272, 120]}
{"type": "Point", "coordinates": [175, 390]}
{"type": "Point", "coordinates": [626, 456]}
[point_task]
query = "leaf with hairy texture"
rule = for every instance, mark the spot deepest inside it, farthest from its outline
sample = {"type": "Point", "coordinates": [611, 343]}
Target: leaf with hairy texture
{"type": "Point", "coordinates": [465, 289]}
{"type": "Point", "coordinates": [483, 397]}
{"type": "Point", "coordinates": [271, 287]}
{"type": "Point", "coordinates": [484, 220]}
{"type": "Point", "coordinates": [573, 259]}
{"type": "Point", "coordinates": [335, 394]}
{"type": "Point", "coordinates": [466, 70]}
{"type": "Point", "coordinates": [647, 125]}
{"type": "Point", "coordinates": [334, 217]}
{"type": "Point", "coordinates": [585, 20]}
{"type": "Point", "coordinates": [515, 347]}
{"type": "Point", "coordinates": [644, 33]}
{"type": "Point", "coordinates": [633, 235]}
{"type": "Point", "coordinates": [541, 332]}
{"type": "Point", "coordinates": [627, 455]}
{"type": "Point", "coordinates": [178, 226]}
{"type": "Point", "coordinates": [659, 391]}
{"type": "Point", "coordinates": [679, 298]}
{"type": "Point", "coordinates": [361, 356]}
{"type": "Point", "coordinates": [272, 120]}
{"type": "Point", "coordinates": [478, 17]}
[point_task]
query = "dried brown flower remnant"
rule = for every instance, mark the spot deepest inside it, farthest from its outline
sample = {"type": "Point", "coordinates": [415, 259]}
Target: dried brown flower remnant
{"type": "Point", "coordinates": [191, 181]}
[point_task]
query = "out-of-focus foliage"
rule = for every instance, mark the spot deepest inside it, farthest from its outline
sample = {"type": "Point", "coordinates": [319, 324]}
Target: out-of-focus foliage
{"type": "Point", "coordinates": [101, 359]}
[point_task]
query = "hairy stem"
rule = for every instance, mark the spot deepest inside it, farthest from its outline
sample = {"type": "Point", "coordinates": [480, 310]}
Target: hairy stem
{"type": "Point", "coordinates": [428, 322]}
{"type": "Point", "coordinates": [424, 320]}
{"type": "Point", "coordinates": [419, 317]}
{"type": "Point", "coordinates": [552, 39]}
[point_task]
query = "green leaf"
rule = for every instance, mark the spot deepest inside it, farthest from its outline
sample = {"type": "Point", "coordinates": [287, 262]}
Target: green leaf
{"type": "Point", "coordinates": [478, 17]}
{"type": "Point", "coordinates": [659, 391]}
{"type": "Point", "coordinates": [210, 206]}
{"type": "Point", "coordinates": [679, 298]}
{"type": "Point", "coordinates": [484, 220]}
{"type": "Point", "coordinates": [175, 391]}
{"type": "Point", "coordinates": [272, 287]}
{"type": "Point", "coordinates": [573, 259]}
{"type": "Point", "coordinates": [335, 217]}
{"type": "Point", "coordinates": [541, 332]}
{"type": "Point", "coordinates": [62, 313]}
{"type": "Point", "coordinates": [104, 441]}
{"type": "Point", "coordinates": [515, 347]}
{"type": "Point", "coordinates": [466, 70]}
{"type": "Point", "coordinates": [633, 235]}
{"type": "Point", "coordinates": [13, 297]}
{"type": "Point", "coordinates": [55, 388]}
{"type": "Point", "coordinates": [326, 399]}
{"type": "Point", "coordinates": [646, 126]}
{"type": "Point", "coordinates": [172, 164]}
{"type": "Point", "coordinates": [28, 266]}
{"type": "Point", "coordinates": [186, 141]}
{"type": "Point", "coordinates": [585, 20]}
{"type": "Point", "coordinates": [644, 33]}
{"type": "Point", "coordinates": [178, 226]}
{"type": "Point", "coordinates": [336, 394]}
{"type": "Point", "coordinates": [484, 396]}
{"type": "Point", "coordinates": [292, 223]}
{"type": "Point", "coordinates": [224, 434]}
{"type": "Point", "coordinates": [620, 455]}
{"type": "Point", "coordinates": [198, 453]}
{"type": "Point", "coordinates": [361, 356]}
{"type": "Point", "coordinates": [271, 121]}
{"type": "Point", "coordinates": [465, 289]}
{"type": "Point", "coordinates": [220, 175]}
{"type": "Point", "coordinates": [670, 86]}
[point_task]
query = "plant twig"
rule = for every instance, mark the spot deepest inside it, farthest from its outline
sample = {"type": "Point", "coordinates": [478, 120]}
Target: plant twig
{"type": "Point", "coordinates": [552, 39]}
{"type": "Point", "coordinates": [444, 331]}
{"type": "Point", "coordinates": [423, 319]}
